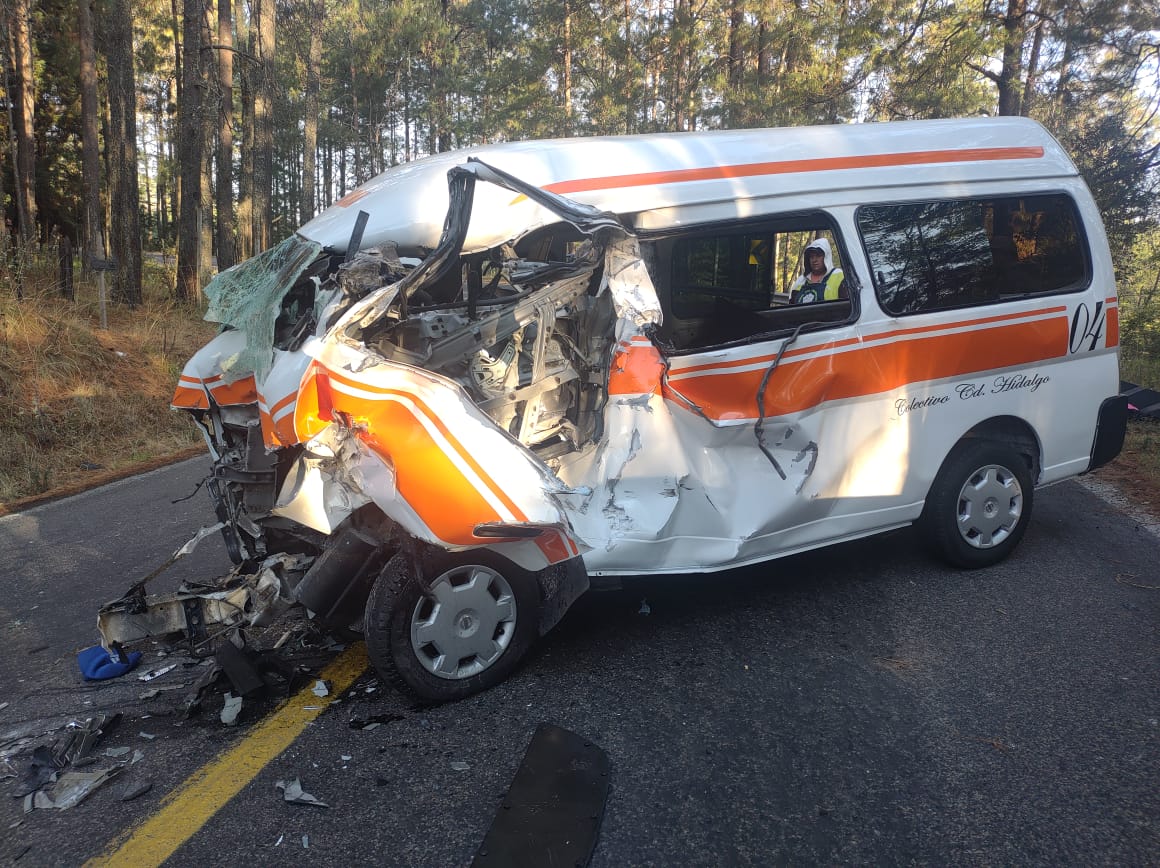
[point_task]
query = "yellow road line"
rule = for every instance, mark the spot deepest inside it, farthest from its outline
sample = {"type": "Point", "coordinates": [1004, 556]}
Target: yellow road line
{"type": "Point", "coordinates": [191, 805]}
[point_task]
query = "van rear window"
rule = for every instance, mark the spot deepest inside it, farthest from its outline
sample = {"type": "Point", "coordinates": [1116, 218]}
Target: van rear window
{"type": "Point", "coordinates": [928, 256]}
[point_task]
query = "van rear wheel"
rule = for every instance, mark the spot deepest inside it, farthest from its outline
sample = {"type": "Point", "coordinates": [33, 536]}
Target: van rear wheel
{"type": "Point", "coordinates": [462, 631]}
{"type": "Point", "coordinates": [979, 505]}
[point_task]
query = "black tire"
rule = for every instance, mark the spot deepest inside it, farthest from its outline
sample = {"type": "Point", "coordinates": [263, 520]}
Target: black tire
{"type": "Point", "coordinates": [978, 528]}
{"type": "Point", "coordinates": [393, 607]}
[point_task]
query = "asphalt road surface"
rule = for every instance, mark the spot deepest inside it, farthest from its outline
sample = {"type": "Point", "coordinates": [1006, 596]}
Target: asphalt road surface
{"type": "Point", "coordinates": [859, 704]}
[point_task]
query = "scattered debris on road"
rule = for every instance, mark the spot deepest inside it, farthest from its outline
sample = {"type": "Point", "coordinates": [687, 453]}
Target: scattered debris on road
{"type": "Point", "coordinates": [156, 673]}
{"type": "Point", "coordinates": [98, 664]}
{"type": "Point", "coordinates": [231, 708]}
{"type": "Point", "coordinates": [293, 793]}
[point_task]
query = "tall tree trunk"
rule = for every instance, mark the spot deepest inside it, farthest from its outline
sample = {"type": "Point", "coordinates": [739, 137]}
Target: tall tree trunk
{"type": "Point", "coordinates": [736, 62]}
{"type": "Point", "coordinates": [306, 207]}
{"type": "Point", "coordinates": [207, 124]}
{"type": "Point", "coordinates": [263, 124]}
{"type": "Point", "coordinates": [356, 124]}
{"type": "Point", "coordinates": [1011, 74]}
{"type": "Point", "coordinates": [122, 151]}
{"type": "Point", "coordinates": [23, 98]}
{"type": "Point", "coordinates": [567, 68]}
{"type": "Point", "coordinates": [1032, 69]}
{"type": "Point", "coordinates": [189, 152]}
{"type": "Point", "coordinates": [173, 184]}
{"type": "Point", "coordinates": [629, 73]}
{"type": "Point", "coordinates": [225, 131]}
{"type": "Point", "coordinates": [328, 165]}
{"type": "Point", "coordinates": [247, 37]}
{"type": "Point", "coordinates": [94, 240]}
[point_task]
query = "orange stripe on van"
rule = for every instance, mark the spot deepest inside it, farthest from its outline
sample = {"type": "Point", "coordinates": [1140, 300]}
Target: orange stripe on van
{"type": "Point", "coordinates": [269, 434]}
{"type": "Point", "coordinates": [865, 339]}
{"type": "Point", "coordinates": [243, 391]}
{"type": "Point", "coordinates": [352, 197]}
{"type": "Point", "coordinates": [800, 385]}
{"type": "Point", "coordinates": [555, 546]}
{"type": "Point", "coordinates": [463, 453]}
{"type": "Point", "coordinates": [426, 476]}
{"type": "Point", "coordinates": [636, 370]}
{"type": "Point", "coordinates": [188, 398]}
{"type": "Point", "coordinates": [781, 167]}
{"type": "Point", "coordinates": [278, 432]}
{"type": "Point", "coordinates": [1113, 338]}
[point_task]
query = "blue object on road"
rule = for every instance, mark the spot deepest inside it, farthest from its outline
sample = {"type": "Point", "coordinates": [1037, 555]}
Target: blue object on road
{"type": "Point", "coordinates": [97, 664]}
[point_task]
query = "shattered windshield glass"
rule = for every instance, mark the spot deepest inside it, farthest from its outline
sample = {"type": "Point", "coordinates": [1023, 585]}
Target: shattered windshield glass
{"type": "Point", "coordinates": [249, 296]}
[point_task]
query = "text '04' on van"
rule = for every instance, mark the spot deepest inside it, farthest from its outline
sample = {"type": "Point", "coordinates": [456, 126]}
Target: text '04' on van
{"type": "Point", "coordinates": [487, 376]}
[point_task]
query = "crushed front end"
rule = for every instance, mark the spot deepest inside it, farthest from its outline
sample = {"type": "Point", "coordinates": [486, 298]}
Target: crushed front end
{"type": "Point", "coordinates": [392, 424]}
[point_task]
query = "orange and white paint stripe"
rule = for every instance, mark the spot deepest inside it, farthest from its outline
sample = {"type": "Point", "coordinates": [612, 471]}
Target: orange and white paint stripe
{"type": "Point", "coordinates": [786, 167]}
{"type": "Point", "coordinates": [725, 388]}
{"type": "Point", "coordinates": [191, 392]}
{"type": "Point", "coordinates": [443, 483]}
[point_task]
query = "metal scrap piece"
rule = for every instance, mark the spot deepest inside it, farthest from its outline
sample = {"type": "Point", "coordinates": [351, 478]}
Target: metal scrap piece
{"type": "Point", "coordinates": [156, 673]}
{"type": "Point", "coordinates": [72, 788]}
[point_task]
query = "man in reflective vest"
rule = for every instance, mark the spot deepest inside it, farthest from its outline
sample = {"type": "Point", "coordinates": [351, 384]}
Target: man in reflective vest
{"type": "Point", "coordinates": [819, 280]}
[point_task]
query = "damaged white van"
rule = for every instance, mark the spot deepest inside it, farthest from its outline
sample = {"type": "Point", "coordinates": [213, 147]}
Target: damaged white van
{"type": "Point", "coordinates": [487, 376]}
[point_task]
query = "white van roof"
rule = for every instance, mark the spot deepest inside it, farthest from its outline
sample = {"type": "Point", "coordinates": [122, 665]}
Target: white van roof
{"type": "Point", "coordinates": [632, 174]}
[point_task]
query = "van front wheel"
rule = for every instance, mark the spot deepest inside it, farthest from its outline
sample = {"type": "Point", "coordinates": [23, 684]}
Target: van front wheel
{"type": "Point", "coordinates": [461, 631]}
{"type": "Point", "coordinates": [979, 505]}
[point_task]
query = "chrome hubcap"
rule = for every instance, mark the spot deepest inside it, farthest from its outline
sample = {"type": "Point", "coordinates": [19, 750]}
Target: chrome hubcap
{"type": "Point", "coordinates": [465, 624]}
{"type": "Point", "coordinates": [990, 504]}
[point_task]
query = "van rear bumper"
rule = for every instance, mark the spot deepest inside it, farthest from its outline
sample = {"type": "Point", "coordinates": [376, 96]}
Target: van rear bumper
{"type": "Point", "coordinates": [1110, 428]}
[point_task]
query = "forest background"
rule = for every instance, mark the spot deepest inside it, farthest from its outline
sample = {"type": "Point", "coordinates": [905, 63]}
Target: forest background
{"type": "Point", "coordinates": [147, 143]}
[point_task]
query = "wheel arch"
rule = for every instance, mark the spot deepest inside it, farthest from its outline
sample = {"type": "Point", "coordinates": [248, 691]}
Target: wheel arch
{"type": "Point", "coordinates": [1010, 430]}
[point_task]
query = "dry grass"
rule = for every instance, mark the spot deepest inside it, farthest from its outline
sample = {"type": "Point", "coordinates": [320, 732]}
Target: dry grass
{"type": "Point", "coordinates": [1136, 471]}
{"type": "Point", "coordinates": [78, 404]}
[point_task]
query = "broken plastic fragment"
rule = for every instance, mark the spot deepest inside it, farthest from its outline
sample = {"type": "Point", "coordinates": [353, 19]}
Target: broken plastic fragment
{"type": "Point", "coordinates": [137, 757]}
{"type": "Point", "coordinates": [305, 842]}
{"type": "Point", "coordinates": [321, 688]}
{"type": "Point", "coordinates": [645, 609]}
{"type": "Point", "coordinates": [116, 751]}
{"type": "Point", "coordinates": [460, 766]}
{"type": "Point", "coordinates": [293, 793]}
{"type": "Point", "coordinates": [231, 708]}
{"type": "Point", "coordinates": [156, 673]}
{"type": "Point", "coordinates": [148, 736]}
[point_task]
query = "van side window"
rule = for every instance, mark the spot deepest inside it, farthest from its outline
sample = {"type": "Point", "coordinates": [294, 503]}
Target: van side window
{"type": "Point", "coordinates": [753, 270]}
{"type": "Point", "coordinates": [927, 256]}
{"type": "Point", "coordinates": [738, 282]}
